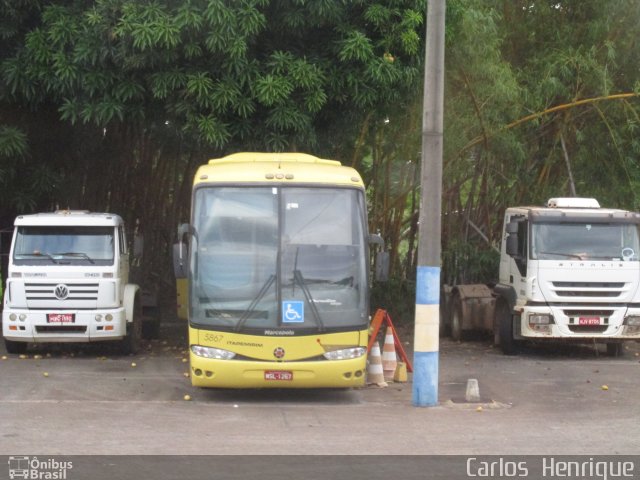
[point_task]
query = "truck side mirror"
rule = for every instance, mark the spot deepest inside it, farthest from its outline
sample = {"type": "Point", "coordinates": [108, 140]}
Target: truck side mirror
{"type": "Point", "coordinates": [138, 245]}
{"type": "Point", "coordinates": [512, 227]}
{"type": "Point", "coordinates": [512, 245]}
{"type": "Point", "coordinates": [516, 242]}
{"type": "Point", "coordinates": [513, 241]}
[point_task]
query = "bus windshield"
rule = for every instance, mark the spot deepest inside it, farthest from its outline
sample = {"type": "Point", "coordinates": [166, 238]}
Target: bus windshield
{"type": "Point", "coordinates": [76, 245]}
{"type": "Point", "coordinates": [278, 260]}
{"type": "Point", "coordinates": [585, 241]}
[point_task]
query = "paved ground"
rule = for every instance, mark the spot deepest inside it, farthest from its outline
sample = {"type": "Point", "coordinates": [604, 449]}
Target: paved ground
{"type": "Point", "coordinates": [548, 400]}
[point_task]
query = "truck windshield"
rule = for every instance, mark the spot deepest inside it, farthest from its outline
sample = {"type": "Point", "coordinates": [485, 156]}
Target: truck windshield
{"type": "Point", "coordinates": [269, 259]}
{"type": "Point", "coordinates": [585, 241]}
{"type": "Point", "coordinates": [65, 245]}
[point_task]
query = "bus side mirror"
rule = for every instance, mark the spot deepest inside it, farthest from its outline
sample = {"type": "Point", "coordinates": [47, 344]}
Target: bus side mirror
{"type": "Point", "coordinates": [179, 260]}
{"type": "Point", "coordinates": [382, 258]}
{"type": "Point", "coordinates": [180, 252]}
{"type": "Point", "coordinates": [382, 266]}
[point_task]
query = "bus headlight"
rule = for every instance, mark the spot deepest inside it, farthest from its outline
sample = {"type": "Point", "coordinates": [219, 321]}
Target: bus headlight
{"type": "Point", "coordinates": [345, 353]}
{"type": "Point", "coordinates": [210, 352]}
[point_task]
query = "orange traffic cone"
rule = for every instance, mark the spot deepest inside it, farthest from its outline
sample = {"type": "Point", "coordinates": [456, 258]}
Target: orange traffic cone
{"type": "Point", "coordinates": [374, 371]}
{"type": "Point", "coordinates": [389, 359]}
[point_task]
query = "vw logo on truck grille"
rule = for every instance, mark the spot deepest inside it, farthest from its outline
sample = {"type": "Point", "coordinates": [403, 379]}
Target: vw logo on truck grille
{"type": "Point", "coordinates": [61, 292]}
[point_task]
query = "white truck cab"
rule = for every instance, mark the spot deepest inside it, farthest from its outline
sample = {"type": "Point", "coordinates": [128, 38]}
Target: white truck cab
{"type": "Point", "coordinates": [569, 270]}
{"type": "Point", "coordinates": [67, 281]}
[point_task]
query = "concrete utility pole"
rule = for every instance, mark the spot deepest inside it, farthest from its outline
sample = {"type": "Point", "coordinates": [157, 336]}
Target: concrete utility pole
{"type": "Point", "coordinates": [427, 317]}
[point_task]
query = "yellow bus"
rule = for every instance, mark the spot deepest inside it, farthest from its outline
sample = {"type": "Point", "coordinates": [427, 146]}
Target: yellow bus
{"type": "Point", "coordinates": [276, 264]}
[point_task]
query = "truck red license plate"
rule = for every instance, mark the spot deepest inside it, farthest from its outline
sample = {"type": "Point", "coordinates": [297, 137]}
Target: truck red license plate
{"type": "Point", "coordinates": [278, 375]}
{"type": "Point", "coordinates": [60, 318]}
{"type": "Point", "coordinates": [589, 321]}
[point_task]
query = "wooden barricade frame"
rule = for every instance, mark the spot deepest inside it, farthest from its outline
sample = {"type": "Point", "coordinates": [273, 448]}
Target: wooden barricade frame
{"type": "Point", "coordinates": [382, 317]}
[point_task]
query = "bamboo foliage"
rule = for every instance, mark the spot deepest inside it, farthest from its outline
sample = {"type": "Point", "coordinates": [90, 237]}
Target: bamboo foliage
{"type": "Point", "coordinates": [112, 105]}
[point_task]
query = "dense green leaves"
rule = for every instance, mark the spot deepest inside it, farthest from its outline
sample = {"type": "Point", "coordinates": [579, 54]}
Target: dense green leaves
{"type": "Point", "coordinates": [111, 104]}
{"type": "Point", "coordinates": [204, 63]}
{"type": "Point", "coordinates": [143, 92]}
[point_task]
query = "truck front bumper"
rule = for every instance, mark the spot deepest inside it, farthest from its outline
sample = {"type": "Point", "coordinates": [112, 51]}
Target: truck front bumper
{"type": "Point", "coordinates": [579, 322]}
{"type": "Point", "coordinates": [63, 325]}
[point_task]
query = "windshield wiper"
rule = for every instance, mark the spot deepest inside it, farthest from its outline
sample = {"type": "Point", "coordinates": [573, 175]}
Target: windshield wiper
{"type": "Point", "coordinates": [297, 277]}
{"type": "Point", "coordinates": [39, 254]}
{"type": "Point", "coordinates": [76, 254]}
{"type": "Point", "coordinates": [254, 302]}
{"type": "Point", "coordinates": [564, 254]}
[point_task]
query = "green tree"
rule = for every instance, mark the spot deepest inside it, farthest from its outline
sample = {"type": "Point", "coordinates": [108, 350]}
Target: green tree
{"type": "Point", "coordinates": [146, 91]}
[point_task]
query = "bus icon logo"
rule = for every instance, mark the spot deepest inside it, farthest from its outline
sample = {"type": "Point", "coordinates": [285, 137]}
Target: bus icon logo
{"type": "Point", "coordinates": [18, 467]}
{"type": "Point", "coordinates": [292, 312]}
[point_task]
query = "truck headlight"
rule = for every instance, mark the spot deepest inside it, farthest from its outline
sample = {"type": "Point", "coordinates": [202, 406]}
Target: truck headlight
{"type": "Point", "coordinates": [345, 353]}
{"type": "Point", "coordinates": [633, 321]}
{"type": "Point", "coordinates": [540, 319]}
{"type": "Point", "coordinates": [210, 352]}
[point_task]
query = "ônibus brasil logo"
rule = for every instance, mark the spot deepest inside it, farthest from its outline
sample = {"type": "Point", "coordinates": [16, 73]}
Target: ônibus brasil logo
{"type": "Point", "coordinates": [33, 468]}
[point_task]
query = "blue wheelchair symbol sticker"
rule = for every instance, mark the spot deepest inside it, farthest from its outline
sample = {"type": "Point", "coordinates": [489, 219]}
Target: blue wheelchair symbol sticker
{"type": "Point", "coordinates": [292, 312]}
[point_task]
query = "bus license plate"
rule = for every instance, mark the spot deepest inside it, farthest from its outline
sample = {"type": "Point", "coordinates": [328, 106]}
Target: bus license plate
{"type": "Point", "coordinates": [589, 321]}
{"type": "Point", "coordinates": [278, 375]}
{"type": "Point", "coordinates": [60, 318]}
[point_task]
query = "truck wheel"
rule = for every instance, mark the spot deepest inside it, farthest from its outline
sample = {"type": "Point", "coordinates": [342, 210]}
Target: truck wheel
{"type": "Point", "coordinates": [151, 324]}
{"type": "Point", "coordinates": [503, 324]}
{"type": "Point", "coordinates": [15, 347]}
{"type": "Point", "coordinates": [615, 349]}
{"type": "Point", "coordinates": [456, 318]}
{"type": "Point", "coordinates": [132, 342]}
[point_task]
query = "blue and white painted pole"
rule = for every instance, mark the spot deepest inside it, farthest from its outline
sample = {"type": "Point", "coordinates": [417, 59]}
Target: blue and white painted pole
{"type": "Point", "coordinates": [427, 316]}
{"type": "Point", "coordinates": [426, 337]}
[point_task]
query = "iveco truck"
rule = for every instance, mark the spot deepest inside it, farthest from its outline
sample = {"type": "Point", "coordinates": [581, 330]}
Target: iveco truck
{"type": "Point", "coordinates": [569, 270]}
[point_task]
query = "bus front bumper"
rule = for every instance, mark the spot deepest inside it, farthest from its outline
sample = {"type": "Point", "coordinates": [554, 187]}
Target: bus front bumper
{"type": "Point", "coordinates": [214, 373]}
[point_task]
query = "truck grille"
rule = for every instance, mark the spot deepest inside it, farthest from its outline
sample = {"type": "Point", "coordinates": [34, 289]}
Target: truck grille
{"type": "Point", "coordinates": [61, 328]}
{"type": "Point", "coordinates": [73, 291]}
{"type": "Point", "coordinates": [588, 328]}
{"type": "Point", "coordinates": [589, 289]}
